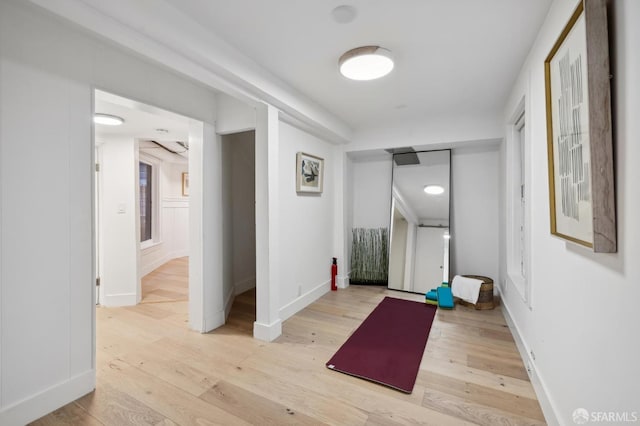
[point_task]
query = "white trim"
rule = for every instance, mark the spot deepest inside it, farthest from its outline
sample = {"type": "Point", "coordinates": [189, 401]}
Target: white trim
{"type": "Point", "coordinates": [178, 254]}
{"type": "Point", "coordinates": [515, 278]}
{"type": "Point", "coordinates": [149, 244]}
{"type": "Point", "coordinates": [145, 270]}
{"type": "Point", "coordinates": [122, 299]}
{"type": "Point", "coordinates": [303, 301]}
{"type": "Point", "coordinates": [197, 284]}
{"type": "Point", "coordinates": [150, 267]}
{"type": "Point", "coordinates": [42, 403]}
{"type": "Point", "coordinates": [175, 203]}
{"type": "Point", "coordinates": [267, 332]}
{"type": "Point", "coordinates": [244, 285]}
{"type": "Point", "coordinates": [238, 288]}
{"type": "Point", "coordinates": [549, 408]}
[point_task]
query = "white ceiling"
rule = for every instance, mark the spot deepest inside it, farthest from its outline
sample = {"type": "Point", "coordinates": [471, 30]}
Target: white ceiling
{"type": "Point", "coordinates": [142, 122]}
{"type": "Point", "coordinates": [452, 56]}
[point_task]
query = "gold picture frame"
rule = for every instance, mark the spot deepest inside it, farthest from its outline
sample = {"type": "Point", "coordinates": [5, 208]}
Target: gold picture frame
{"type": "Point", "coordinates": [185, 184]}
{"type": "Point", "coordinates": [309, 173]}
{"type": "Point", "coordinates": [579, 137]}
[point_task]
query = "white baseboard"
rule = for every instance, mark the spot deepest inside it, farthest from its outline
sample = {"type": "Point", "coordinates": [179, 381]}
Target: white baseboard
{"type": "Point", "coordinates": [43, 403]}
{"type": "Point", "coordinates": [150, 267]}
{"type": "Point", "coordinates": [245, 285]}
{"type": "Point", "coordinates": [228, 303]}
{"type": "Point", "coordinates": [303, 301]}
{"type": "Point", "coordinates": [267, 332]}
{"type": "Point", "coordinates": [213, 321]}
{"type": "Point", "coordinates": [122, 299]}
{"type": "Point", "coordinates": [548, 407]}
{"type": "Point", "coordinates": [238, 288]}
{"type": "Point", "coordinates": [178, 254]}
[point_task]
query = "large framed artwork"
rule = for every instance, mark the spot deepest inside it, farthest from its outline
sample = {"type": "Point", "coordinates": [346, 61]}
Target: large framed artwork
{"type": "Point", "coordinates": [579, 138]}
{"type": "Point", "coordinates": [309, 173]}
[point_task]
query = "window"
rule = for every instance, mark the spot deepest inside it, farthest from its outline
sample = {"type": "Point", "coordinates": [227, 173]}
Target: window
{"type": "Point", "coordinates": [520, 200]}
{"type": "Point", "coordinates": [146, 202]}
{"type": "Point", "coordinates": [517, 196]}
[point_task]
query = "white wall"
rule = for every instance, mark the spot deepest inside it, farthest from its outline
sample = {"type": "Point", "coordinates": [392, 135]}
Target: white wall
{"type": "Point", "coordinates": [118, 234]}
{"type": "Point", "coordinates": [234, 116]}
{"type": "Point", "coordinates": [171, 180]}
{"type": "Point", "coordinates": [474, 244]}
{"type": "Point", "coordinates": [584, 319]}
{"type": "Point", "coordinates": [306, 225]}
{"type": "Point", "coordinates": [47, 74]}
{"type": "Point", "coordinates": [371, 201]}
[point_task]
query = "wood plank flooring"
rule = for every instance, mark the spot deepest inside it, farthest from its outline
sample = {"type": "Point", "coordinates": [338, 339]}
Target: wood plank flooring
{"type": "Point", "coordinates": [152, 370]}
{"type": "Point", "coordinates": [168, 283]}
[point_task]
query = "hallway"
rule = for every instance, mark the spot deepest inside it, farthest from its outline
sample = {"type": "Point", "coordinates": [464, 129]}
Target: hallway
{"type": "Point", "coordinates": [168, 283]}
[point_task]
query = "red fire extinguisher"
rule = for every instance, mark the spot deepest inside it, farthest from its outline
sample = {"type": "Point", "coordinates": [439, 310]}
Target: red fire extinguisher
{"type": "Point", "coordinates": [334, 272]}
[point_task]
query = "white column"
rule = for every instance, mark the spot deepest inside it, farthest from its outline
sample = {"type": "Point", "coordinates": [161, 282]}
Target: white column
{"type": "Point", "coordinates": [205, 229]}
{"type": "Point", "coordinates": [268, 325]}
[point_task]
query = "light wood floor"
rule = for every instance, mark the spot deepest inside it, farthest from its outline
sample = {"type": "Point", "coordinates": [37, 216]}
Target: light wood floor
{"type": "Point", "coordinates": [152, 370]}
{"type": "Point", "coordinates": [168, 283]}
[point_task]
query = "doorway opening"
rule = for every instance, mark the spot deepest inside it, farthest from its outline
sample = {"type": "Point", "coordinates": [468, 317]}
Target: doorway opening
{"type": "Point", "coordinates": [142, 217]}
{"type": "Point", "coordinates": [238, 155]}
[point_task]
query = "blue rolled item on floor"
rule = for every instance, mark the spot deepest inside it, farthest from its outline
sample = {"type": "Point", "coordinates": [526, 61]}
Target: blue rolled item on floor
{"type": "Point", "coordinates": [445, 298]}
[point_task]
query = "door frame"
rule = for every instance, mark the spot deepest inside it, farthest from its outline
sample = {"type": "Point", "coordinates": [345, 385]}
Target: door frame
{"type": "Point", "coordinates": [199, 135]}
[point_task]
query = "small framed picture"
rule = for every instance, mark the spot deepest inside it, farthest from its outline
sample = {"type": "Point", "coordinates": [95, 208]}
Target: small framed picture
{"type": "Point", "coordinates": [185, 184]}
{"type": "Point", "coordinates": [309, 173]}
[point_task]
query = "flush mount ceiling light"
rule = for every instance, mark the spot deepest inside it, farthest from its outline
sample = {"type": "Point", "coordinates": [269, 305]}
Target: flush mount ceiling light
{"type": "Point", "coordinates": [433, 189]}
{"type": "Point", "coordinates": [366, 63]}
{"type": "Point", "coordinates": [107, 119]}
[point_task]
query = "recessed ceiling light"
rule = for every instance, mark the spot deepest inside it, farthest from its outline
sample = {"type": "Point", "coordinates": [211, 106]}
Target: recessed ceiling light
{"type": "Point", "coordinates": [344, 14]}
{"type": "Point", "coordinates": [107, 119]}
{"type": "Point", "coordinates": [433, 189]}
{"type": "Point", "coordinates": [366, 63]}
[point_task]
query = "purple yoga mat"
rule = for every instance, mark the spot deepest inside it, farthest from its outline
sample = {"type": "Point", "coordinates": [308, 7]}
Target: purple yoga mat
{"type": "Point", "coordinates": [387, 347]}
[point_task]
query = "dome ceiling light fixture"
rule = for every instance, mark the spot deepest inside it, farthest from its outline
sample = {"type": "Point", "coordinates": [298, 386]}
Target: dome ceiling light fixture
{"type": "Point", "coordinates": [107, 119]}
{"type": "Point", "coordinates": [433, 189]}
{"type": "Point", "coordinates": [366, 63]}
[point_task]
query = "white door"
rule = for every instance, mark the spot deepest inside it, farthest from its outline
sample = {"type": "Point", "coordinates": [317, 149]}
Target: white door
{"type": "Point", "coordinates": [429, 259]}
